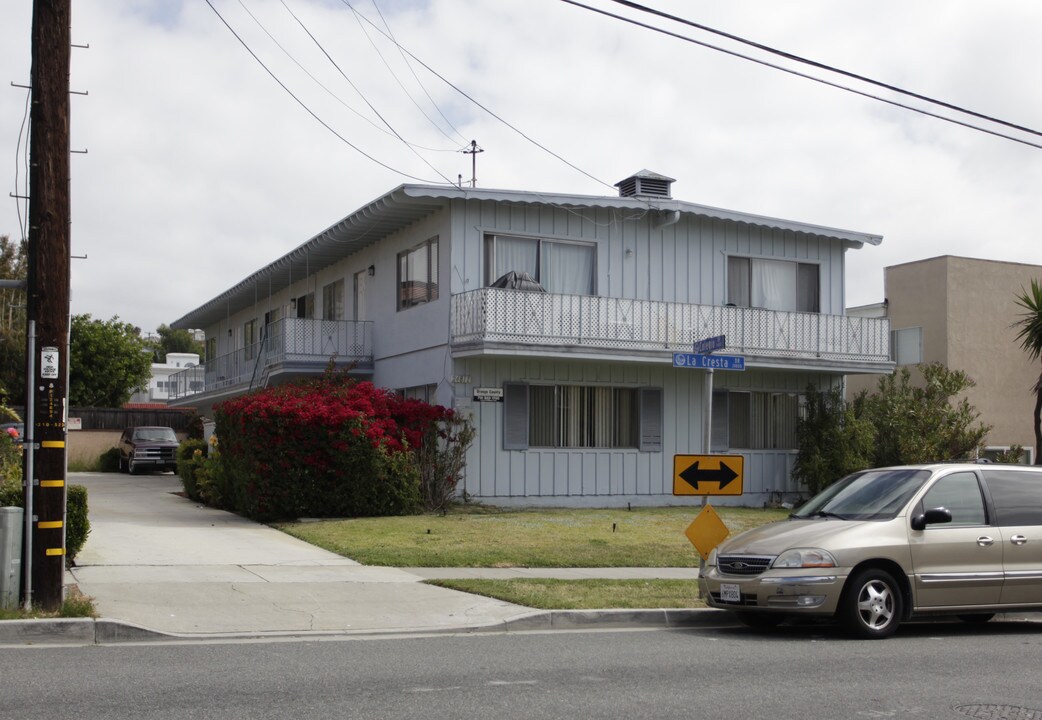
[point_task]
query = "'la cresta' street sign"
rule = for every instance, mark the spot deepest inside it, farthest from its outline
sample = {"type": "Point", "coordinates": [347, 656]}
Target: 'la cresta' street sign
{"type": "Point", "coordinates": [709, 362]}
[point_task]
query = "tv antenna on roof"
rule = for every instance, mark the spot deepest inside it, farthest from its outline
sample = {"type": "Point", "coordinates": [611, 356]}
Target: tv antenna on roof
{"type": "Point", "coordinates": [473, 152]}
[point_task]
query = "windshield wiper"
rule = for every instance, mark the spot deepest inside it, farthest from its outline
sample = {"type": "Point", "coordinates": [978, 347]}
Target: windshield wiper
{"type": "Point", "coordinates": [818, 513]}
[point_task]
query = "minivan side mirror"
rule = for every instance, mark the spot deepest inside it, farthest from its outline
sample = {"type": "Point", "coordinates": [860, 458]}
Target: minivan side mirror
{"type": "Point", "coordinates": [933, 516]}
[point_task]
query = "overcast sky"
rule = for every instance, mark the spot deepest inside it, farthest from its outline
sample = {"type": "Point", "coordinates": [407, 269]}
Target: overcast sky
{"type": "Point", "coordinates": [200, 168]}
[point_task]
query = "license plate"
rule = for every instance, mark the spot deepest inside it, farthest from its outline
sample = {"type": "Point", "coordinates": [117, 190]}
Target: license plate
{"type": "Point", "coordinates": [730, 593]}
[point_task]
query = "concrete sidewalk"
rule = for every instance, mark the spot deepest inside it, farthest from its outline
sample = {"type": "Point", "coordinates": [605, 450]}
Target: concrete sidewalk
{"type": "Point", "coordinates": [158, 565]}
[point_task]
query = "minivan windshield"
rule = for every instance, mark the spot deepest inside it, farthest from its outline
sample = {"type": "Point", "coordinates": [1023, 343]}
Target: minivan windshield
{"type": "Point", "coordinates": [866, 495]}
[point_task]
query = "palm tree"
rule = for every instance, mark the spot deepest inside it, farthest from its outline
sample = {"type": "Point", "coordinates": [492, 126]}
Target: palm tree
{"type": "Point", "coordinates": [1030, 336]}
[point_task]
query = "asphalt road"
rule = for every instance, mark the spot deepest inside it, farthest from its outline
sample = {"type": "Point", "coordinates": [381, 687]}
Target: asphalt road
{"type": "Point", "coordinates": [927, 671]}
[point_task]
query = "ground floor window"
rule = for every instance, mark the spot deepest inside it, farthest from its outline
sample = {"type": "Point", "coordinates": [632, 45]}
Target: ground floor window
{"type": "Point", "coordinates": [581, 416]}
{"type": "Point", "coordinates": [426, 393]}
{"type": "Point", "coordinates": [754, 420]}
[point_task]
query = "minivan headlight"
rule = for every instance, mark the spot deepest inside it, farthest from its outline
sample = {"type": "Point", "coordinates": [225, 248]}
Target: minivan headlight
{"type": "Point", "coordinates": [805, 558]}
{"type": "Point", "coordinates": [711, 562]}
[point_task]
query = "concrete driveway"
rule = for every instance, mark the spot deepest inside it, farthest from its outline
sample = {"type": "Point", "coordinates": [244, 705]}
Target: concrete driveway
{"type": "Point", "coordinates": [161, 561]}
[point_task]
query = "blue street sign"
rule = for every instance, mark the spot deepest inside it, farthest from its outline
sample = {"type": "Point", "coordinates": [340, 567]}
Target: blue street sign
{"type": "Point", "coordinates": [704, 347]}
{"type": "Point", "coordinates": [709, 362]}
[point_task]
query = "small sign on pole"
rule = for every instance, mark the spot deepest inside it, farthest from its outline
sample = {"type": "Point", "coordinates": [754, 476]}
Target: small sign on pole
{"type": "Point", "coordinates": [704, 347]}
{"type": "Point", "coordinates": [709, 362]}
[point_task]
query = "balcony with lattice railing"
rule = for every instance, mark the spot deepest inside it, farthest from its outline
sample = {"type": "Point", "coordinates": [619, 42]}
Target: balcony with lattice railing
{"type": "Point", "coordinates": [291, 345]}
{"type": "Point", "coordinates": [493, 320]}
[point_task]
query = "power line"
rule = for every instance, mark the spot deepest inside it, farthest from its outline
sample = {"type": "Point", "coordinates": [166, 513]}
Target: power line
{"type": "Point", "coordinates": [415, 77]}
{"type": "Point", "coordinates": [445, 80]}
{"type": "Point", "coordinates": [308, 110]}
{"type": "Point", "coordinates": [360, 93]}
{"type": "Point", "coordinates": [803, 75]}
{"type": "Point", "coordinates": [823, 66]}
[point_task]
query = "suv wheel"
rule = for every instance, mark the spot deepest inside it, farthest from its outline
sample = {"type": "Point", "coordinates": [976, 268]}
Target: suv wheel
{"type": "Point", "coordinates": [131, 466]}
{"type": "Point", "coordinates": [872, 605]}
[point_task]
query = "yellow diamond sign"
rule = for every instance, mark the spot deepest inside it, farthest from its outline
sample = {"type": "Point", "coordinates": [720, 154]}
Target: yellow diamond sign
{"type": "Point", "coordinates": [706, 531]}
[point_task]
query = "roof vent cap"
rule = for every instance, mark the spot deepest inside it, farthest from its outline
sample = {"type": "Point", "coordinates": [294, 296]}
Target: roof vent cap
{"type": "Point", "coordinates": [646, 184]}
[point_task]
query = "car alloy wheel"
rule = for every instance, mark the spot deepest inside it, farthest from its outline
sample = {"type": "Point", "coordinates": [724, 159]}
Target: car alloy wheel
{"type": "Point", "coordinates": [872, 606]}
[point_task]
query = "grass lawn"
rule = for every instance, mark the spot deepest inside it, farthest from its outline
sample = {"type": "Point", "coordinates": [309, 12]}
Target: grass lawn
{"type": "Point", "coordinates": [479, 536]}
{"type": "Point", "coordinates": [76, 605]}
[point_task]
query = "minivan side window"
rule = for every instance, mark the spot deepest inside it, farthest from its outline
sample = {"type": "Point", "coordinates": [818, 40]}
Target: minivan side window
{"type": "Point", "coordinates": [960, 493]}
{"type": "Point", "coordinates": [1017, 496]}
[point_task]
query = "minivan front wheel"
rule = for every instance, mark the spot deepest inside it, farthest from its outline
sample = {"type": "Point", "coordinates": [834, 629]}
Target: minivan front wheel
{"type": "Point", "coordinates": [872, 605]}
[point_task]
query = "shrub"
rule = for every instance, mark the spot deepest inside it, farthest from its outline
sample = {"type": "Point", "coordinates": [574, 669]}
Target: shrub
{"type": "Point", "coordinates": [77, 523]}
{"type": "Point", "coordinates": [441, 456]}
{"type": "Point", "coordinates": [10, 458]}
{"type": "Point", "coordinates": [329, 446]}
{"type": "Point", "coordinates": [108, 461]}
{"type": "Point", "coordinates": [833, 438]}
{"type": "Point", "coordinates": [189, 460]}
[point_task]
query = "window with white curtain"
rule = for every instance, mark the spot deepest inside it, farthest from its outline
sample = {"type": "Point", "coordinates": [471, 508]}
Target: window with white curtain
{"type": "Point", "coordinates": [754, 420]}
{"type": "Point", "coordinates": [559, 266]}
{"type": "Point", "coordinates": [773, 284]}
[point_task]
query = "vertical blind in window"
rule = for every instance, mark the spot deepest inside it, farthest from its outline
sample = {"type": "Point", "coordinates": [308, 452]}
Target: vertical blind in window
{"type": "Point", "coordinates": [578, 416]}
{"type": "Point", "coordinates": [755, 420]}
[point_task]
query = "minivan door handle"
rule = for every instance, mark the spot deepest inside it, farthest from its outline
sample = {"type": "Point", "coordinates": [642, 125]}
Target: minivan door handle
{"type": "Point", "coordinates": [1018, 539]}
{"type": "Point", "coordinates": [985, 541]}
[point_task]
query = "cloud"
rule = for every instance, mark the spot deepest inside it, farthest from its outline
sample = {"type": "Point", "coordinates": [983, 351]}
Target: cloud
{"type": "Point", "coordinates": [202, 169]}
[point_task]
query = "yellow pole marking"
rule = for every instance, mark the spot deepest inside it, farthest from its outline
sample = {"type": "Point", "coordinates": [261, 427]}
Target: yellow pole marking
{"type": "Point", "coordinates": [52, 444]}
{"type": "Point", "coordinates": [49, 524]}
{"type": "Point", "coordinates": [52, 483]}
{"type": "Point", "coordinates": [55, 551]}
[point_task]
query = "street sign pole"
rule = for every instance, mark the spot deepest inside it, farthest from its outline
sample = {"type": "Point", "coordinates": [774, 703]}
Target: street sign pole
{"type": "Point", "coordinates": [707, 439]}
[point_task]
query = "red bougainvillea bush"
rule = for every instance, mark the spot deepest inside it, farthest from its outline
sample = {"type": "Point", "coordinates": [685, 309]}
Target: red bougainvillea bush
{"type": "Point", "coordinates": [326, 447]}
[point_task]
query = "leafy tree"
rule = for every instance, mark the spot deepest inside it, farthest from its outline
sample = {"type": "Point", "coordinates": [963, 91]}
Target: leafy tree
{"type": "Point", "coordinates": [108, 360]}
{"type": "Point", "coordinates": [1030, 336]}
{"type": "Point", "coordinates": [923, 423]}
{"type": "Point", "coordinates": [833, 437]}
{"type": "Point", "coordinates": [13, 266]}
{"type": "Point", "coordinates": [175, 341]}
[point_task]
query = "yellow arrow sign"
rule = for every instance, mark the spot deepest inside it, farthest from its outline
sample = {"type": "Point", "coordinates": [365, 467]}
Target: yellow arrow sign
{"type": "Point", "coordinates": [708, 474]}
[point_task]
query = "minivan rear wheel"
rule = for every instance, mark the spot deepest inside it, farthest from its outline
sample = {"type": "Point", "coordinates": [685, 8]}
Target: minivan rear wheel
{"type": "Point", "coordinates": [872, 605]}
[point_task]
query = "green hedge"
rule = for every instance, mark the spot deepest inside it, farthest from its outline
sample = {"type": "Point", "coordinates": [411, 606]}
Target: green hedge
{"type": "Point", "coordinates": [77, 522]}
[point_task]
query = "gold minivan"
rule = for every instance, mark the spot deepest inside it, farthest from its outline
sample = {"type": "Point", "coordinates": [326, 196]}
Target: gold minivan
{"type": "Point", "coordinates": [883, 545]}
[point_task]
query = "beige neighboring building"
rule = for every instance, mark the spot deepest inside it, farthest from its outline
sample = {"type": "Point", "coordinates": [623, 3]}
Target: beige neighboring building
{"type": "Point", "coordinates": [960, 311]}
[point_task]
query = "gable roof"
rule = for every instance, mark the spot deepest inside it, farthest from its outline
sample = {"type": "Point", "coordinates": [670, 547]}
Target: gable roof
{"type": "Point", "coordinates": [407, 204]}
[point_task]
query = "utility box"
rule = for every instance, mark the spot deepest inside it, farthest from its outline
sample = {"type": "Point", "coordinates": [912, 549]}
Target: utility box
{"type": "Point", "coordinates": [11, 527]}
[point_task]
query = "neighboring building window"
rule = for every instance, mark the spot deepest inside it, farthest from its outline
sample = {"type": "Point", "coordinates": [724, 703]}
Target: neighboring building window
{"type": "Point", "coordinates": [419, 392]}
{"type": "Point", "coordinates": [906, 346]}
{"type": "Point", "coordinates": [333, 301]}
{"type": "Point", "coordinates": [581, 416]}
{"type": "Point", "coordinates": [558, 266]}
{"type": "Point", "coordinates": [1001, 453]}
{"type": "Point", "coordinates": [418, 274]}
{"type": "Point", "coordinates": [249, 339]}
{"type": "Point", "coordinates": [773, 284]}
{"type": "Point", "coordinates": [754, 420]}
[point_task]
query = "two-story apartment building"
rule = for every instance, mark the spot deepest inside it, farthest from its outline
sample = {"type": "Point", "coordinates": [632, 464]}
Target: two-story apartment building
{"type": "Point", "coordinates": [552, 321]}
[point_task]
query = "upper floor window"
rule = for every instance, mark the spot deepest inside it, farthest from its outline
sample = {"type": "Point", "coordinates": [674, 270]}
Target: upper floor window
{"type": "Point", "coordinates": [418, 274]}
{"type": "Point", "coordinates": [249, 338]}
{"type": "Point", "coordinates": [773, 284]}
{"type": "Point", "coordinates": [558, 266]}
{"type": "Point", "coordinates": [906, 346]}
{"type": "Point", "coordinates": [333, 301]}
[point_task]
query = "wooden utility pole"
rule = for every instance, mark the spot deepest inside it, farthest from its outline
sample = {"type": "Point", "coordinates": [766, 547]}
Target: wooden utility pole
{"type": "Point", "coordinates": [48, 292]}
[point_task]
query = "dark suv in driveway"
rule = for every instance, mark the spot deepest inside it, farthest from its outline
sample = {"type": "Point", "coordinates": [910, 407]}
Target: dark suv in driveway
{"type": "Point", "coordinates": [148, 448]}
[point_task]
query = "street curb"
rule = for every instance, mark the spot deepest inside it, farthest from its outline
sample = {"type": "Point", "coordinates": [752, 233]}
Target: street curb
{"type": "Point", "coordinates": [107, 631]}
